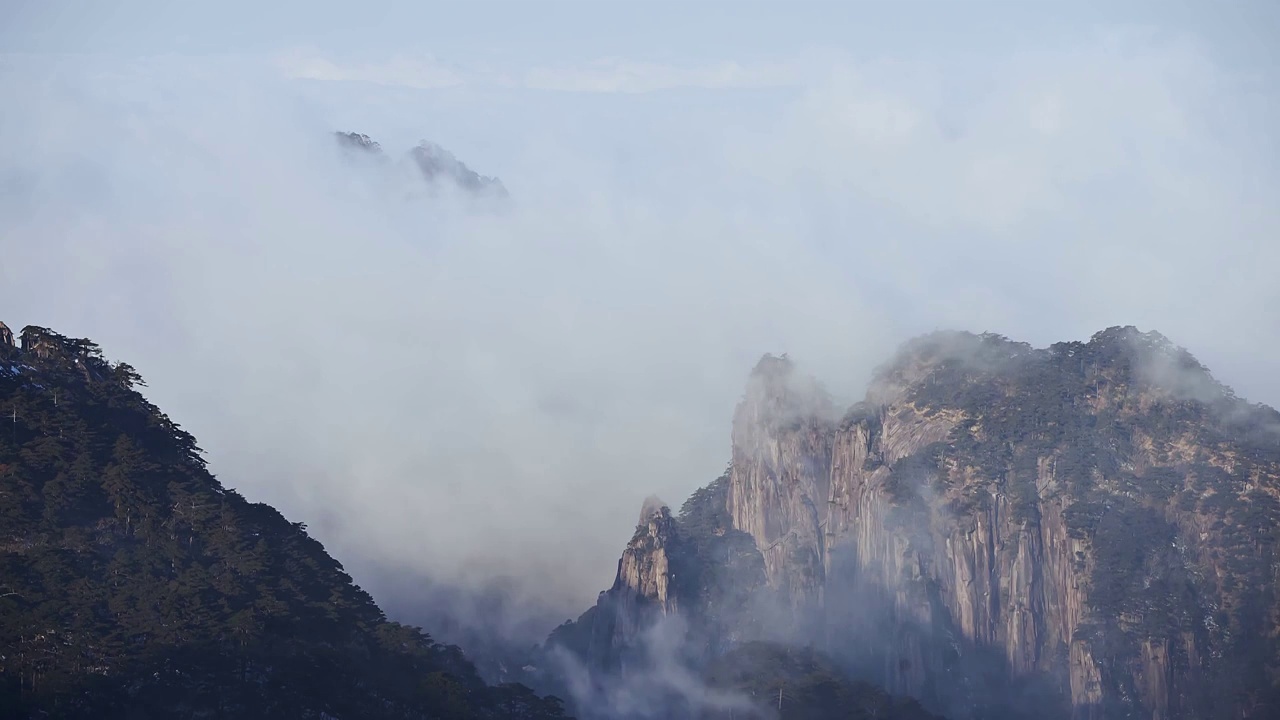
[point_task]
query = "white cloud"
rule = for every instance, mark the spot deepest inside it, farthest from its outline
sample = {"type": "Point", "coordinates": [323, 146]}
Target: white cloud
{"type": "Point", "coordinates": [615, 75]}
{"type": "Point", "coordinates": [447, 393]}
{"type": "Point", "coordinates": [603, 75]}
{"type": "Point", "coordinates": [420, 73]}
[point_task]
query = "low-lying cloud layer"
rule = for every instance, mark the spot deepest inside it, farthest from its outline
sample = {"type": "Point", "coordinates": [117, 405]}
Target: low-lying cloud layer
{"type": "Point", "coordinates": [457, 393]}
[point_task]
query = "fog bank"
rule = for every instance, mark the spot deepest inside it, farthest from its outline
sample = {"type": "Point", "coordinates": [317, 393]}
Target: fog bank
{"type": "Point", "coordinates": [454, 393]}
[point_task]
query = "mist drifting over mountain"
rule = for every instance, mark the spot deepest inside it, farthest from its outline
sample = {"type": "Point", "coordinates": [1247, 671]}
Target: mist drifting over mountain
{"type": "Point", "coordinates": [465, 398]}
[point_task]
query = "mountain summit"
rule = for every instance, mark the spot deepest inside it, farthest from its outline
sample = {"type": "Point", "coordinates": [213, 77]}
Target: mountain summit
{"type": "Point", "coordinates": [1089, 530]}
{"type": "Point", "coordinates": [436, 165]}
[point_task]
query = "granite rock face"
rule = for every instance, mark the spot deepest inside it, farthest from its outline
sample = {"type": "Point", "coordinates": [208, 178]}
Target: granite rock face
{"type": "Point", "coordinates": [1087, 531]}
{"type": "Point", "coordinates": [610, 634]}
{"type": "Point", "coordinates": [644, 572]}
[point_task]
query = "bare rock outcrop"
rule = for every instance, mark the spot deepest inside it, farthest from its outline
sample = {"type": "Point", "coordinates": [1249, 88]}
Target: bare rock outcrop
{"type": "Point", "coordinates": [780, 475]}
{"type": "Point", "coordinates": [429, 161]}
{"type": "Point", "coordinates": [8, 348]}
{"type": "Point", "coordinates": [1071, 521]}
{"type": "Point", "coordinates": [438, 164]}
{"type": "Point", "coordinates": [608, 635]}
{"type": "Point", "coordinates": [1086, 531]}
{"type": "Point", "coordinates": [644, 572]}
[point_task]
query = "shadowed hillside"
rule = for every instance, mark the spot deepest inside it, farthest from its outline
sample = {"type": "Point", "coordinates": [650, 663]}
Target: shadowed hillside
{"type": "Point", "coordinates": [133, 584]}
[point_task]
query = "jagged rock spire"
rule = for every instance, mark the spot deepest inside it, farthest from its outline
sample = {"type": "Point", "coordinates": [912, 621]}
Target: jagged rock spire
{"type": "Point", "coordinates": [359, 141]}
{"type": "Point", "coordinates": [433, 162]}
{"type": "Point", "coordinates": [653, 505]}
{"type": "Point", "coordinates": [6, 337]}
{"type": "Point", "coordinates": [437, 163]}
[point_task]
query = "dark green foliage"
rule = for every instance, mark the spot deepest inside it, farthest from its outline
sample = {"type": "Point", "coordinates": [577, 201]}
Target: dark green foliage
{"type": "Point", "coordinates": [719, 571]}
{"type": "Point", "coordinates": [801, 684]}
{"type": "Point", "coordinates": [1138, 571]}
{"type": "Point", "coordinates": [132, 584]}
{"type": "Point", "coordinates": [863, 413]}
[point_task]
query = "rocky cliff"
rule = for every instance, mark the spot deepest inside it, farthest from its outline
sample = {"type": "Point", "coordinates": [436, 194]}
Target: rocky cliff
{"type": "Point", "coordinates": [642, 592]}
{"type": "Point", "coordinates": [1088, 530]}
{"type": "Point", "coordinates": [6, 340]}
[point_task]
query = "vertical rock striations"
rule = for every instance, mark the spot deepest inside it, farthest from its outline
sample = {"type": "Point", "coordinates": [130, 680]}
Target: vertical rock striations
{"type": "Point", "coordinates": [1089, 530]}
{"type": "Point", "coordinates": [609, 634]}
{"type": "Point", "coordinates": [779, 478]}
{"type": "Point", "coordinates": [1095, 522]}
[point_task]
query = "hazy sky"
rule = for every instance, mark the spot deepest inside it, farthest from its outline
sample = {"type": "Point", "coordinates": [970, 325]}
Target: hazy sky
{"type": "Point", "coordinates": [440, 391]}
{"type": "Point", "coordinates": [577, 30]}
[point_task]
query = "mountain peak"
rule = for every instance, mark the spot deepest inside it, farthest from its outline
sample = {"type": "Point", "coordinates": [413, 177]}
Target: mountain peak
{"type": "Point", "coordinates": [777, 394]}
{"type": "Point", "coordinates": [773, 366]}
{"type": "Point", "coordinates": [998, 531]}
{"type": "Point", "coordinates": [1131, 334]}
{"type": "Point", "coordinates": [1118, 357]}
{"type": "Point", "coordinates": [653, 506]}
{"type": "Point", "coordinates": [1153, 362]}
{"type": "Point", "coordinates": [1129, 343]}
{"type": "Point", "coordinates": [358, 141]}
{"type": "Point", "coordinates": [926, 358]}
{"type": "Point", "coordinates": [433, 162]}
{"type": "Point", "coordinates": [437, 163]}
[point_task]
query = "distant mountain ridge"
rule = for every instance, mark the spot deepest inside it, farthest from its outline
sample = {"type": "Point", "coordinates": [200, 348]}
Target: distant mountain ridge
{"type": "Point", "coordinates": [436, 165]}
